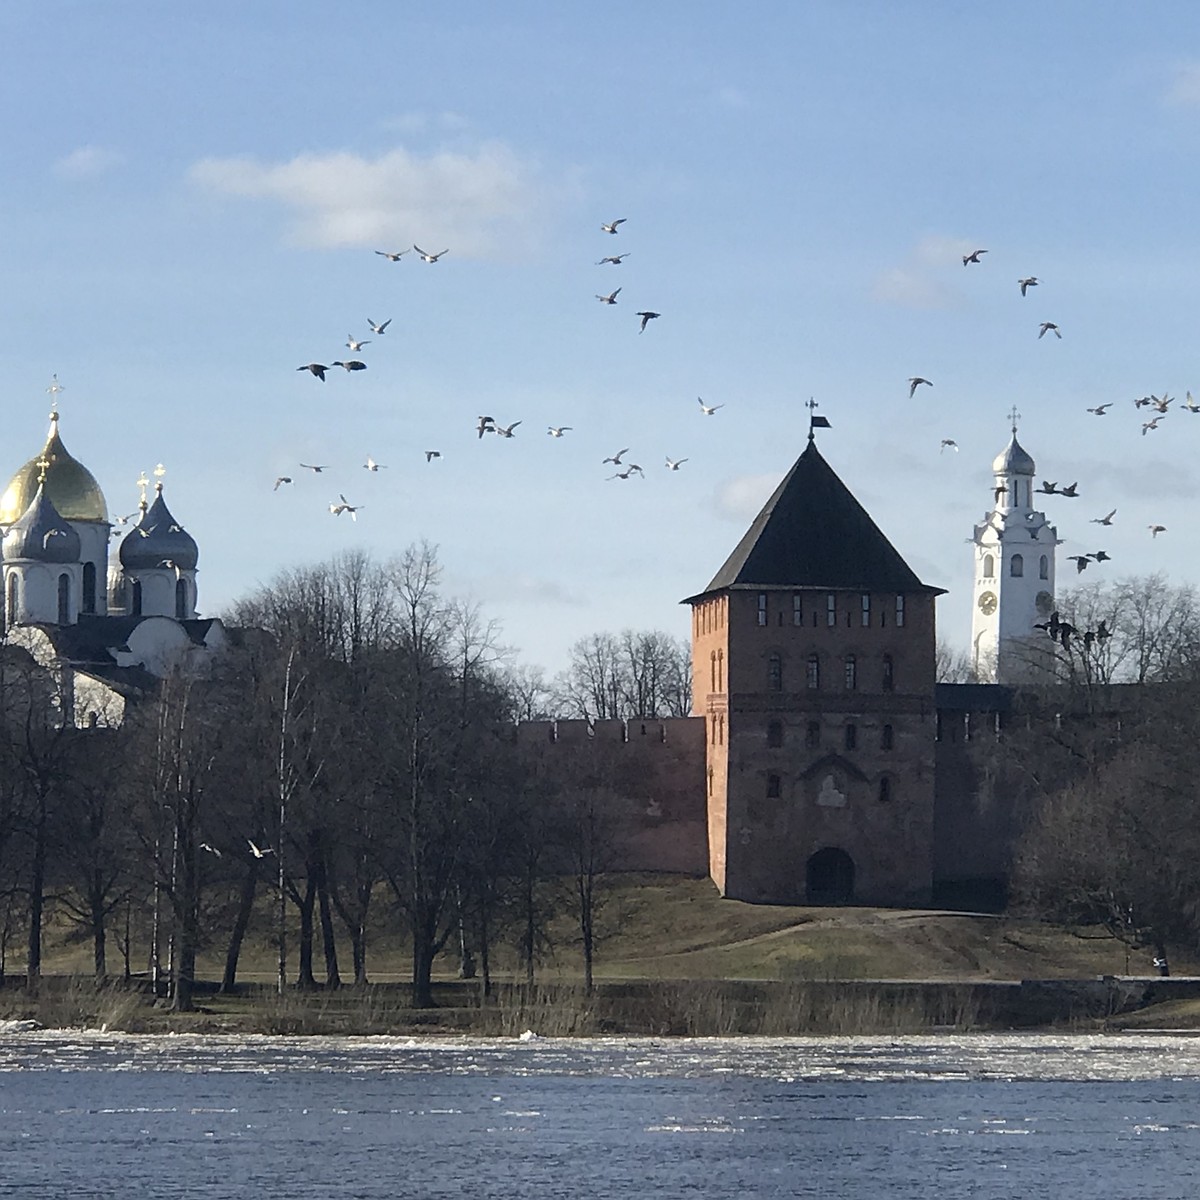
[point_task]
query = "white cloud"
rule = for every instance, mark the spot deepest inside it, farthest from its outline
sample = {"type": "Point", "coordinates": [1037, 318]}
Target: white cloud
{"type": "Point", "coordinates": [918, 282]}
{"type": "Point", "coordinates": [87, 162]}
{"type": "Point", "coordinates": [473, 202]}
{"type": "Point", "coordinates": [742, 498]}
{"type": "Point", "coordinates": [1184, 89]}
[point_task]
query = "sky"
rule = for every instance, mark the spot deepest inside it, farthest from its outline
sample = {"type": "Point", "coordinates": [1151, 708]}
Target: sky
{"type": "Point", "coordinates": [193, 197]}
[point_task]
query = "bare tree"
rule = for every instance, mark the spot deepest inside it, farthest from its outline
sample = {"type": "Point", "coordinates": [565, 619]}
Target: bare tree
{"type": "Point", "coordinates": [626, 676]}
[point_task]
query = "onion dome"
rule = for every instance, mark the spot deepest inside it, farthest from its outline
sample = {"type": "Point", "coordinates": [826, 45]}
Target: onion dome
{"type": "Point", "coordinates": [41, 534]}
{"type": "Point", "coordinates": [158, 540]}
{"type": "Point", "coordinates": [69, 485]}
{"type": "Point", "coordinates": [1013, 460]}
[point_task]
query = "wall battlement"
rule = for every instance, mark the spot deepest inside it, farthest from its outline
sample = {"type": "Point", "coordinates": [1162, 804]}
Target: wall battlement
{"type": "Point", "coordinates": [676, 732]}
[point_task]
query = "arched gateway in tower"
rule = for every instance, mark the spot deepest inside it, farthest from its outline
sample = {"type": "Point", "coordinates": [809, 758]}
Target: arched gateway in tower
{"type": "Point", "coordinates": [813, 654]}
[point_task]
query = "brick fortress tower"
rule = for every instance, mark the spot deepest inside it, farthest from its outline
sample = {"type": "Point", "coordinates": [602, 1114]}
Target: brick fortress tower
{"type": "Point", "coordinates": [813, 665]}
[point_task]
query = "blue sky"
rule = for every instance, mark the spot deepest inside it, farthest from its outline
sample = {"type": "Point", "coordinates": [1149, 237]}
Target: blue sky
{"type": "Point", "coordinates": [193, 195]}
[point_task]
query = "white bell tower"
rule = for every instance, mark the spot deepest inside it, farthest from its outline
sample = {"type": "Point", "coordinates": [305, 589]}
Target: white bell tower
{"type": "Point", "coordinates": [1014, 575]}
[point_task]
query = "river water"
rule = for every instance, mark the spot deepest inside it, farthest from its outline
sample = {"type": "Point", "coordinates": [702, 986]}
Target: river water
{"type": "Point", "coordinates": [86, 1115]}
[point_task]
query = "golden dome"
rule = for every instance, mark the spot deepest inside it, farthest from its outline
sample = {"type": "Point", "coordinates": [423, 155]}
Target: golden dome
{"type": "Point", "coordinates": [70, 486]}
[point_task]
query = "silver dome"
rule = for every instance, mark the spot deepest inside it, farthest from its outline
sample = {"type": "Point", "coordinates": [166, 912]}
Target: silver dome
{"type": "Point", "coordinates": [158, 540]}
{"type": "Point", "coordinates": [1013, 460]}
{"type": "Point", "coordinates": [41, 534]}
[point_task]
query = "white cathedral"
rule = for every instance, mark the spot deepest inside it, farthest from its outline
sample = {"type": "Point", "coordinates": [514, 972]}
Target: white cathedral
{"type": "Point", "coordinates": [105, 625]}
{"type": "Point", "coordinates": [1014, 576]}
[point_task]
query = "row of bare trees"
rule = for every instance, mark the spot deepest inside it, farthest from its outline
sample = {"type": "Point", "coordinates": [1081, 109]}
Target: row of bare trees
{"type": "Point", "coordinates": [353, 749]}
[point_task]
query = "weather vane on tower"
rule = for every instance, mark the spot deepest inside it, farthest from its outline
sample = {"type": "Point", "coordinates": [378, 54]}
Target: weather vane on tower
{"type": "Point", "coordinates": [815, 421]}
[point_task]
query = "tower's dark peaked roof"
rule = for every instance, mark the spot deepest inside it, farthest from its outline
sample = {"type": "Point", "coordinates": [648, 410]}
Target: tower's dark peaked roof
{"type": "Point", "coordinates": [814, 533]}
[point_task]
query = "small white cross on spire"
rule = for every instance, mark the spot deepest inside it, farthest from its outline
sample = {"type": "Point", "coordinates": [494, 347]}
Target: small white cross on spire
{"type": "Point", "coordinates": [1014, 417]}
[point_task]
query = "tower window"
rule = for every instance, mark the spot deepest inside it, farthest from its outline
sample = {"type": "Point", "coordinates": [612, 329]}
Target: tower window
{"type": "Point", "coordinates": [181, 599]}
{"type": "Point", "coordinates": [712, 671]}
{"type": "Point", "coordinates": [989, 567]}
{"type": "Point", "coordinates": [866, 611]}
{"type": "Point", "coordinates": [812, 735]}
{"type": "Point", "coordinates": [775, 673]}
{"type": "Point", "coordinates": [64, 599]}
{"type": "Point", "coordinates": [797, 609]}
{"type": "Point", "coordinates": [812, 672]}
{"type": "Point", "coordinates": [885, 790]}
{"type": "Point", "coordinates": [774, 734]}
{"type": "Point", "coordinates": [1043, 567]}
{"type": "Point", "coordinates": [720, 670]}
{"type": "Point", "coordinates": [851, 670]}
{"type": "Point", "coordinates": [135, 599]}
{"type": "Point", "coordinates": [889, 673]}
{"type": "Point", "coordinates": [886, 738]}
{"type": "Point", "coordinates": [774, 787]}
{"type": "Point", "coordinates": [88, 600]}
{"type": "Point", "coordinates": [762, 608]}
{"type": "Point", "coordinates": [851, 737]}
{"type": "Point", "coordinates": [1017, 567]}
{"type": "Point", "coordinates": [14, 598]}
{"type": "Point", "coordinates": [899, 612]}
{"type": "Point", "coordinates": [831, 610]}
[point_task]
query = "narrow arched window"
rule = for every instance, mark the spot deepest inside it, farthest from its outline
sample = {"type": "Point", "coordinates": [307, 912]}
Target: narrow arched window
{"type": "Point", "coordinates": [851, 670]}
{"type": "Point", "coordinates": [775, 673]}
{"type": "Point", "coordinates": [774, 787]}
{"type": "Point", "coordinates": [1017, 567]}
{"type": "Point", "coordinates": [712, 668]}
{"type": "Point", "coordinates": [885, 738]}
{"type": "Point", "coordinates": [762, 608]}
{"type": "Point", "coordinates": [812, 672]}
{"type": "Point", "coordinates": [989, 566]}
{"type": "Point", "coordinates": [720, 670]}
{"type": "Point", "coordinates": [135, 599]}
{"type": "Point", "coordinates": [64, 599]}
{"type": "Point", "coordinates": [1043, 567]}
{"type": "Point", "coordinates": [812, 735]}
{"type": "Point", "coordinates": [181, 599]}
{"type": "Point", "coordinates": [797, 609]}
{"type": "Point", "coordinates": [88, 600]}
{"type": "Point", "coordinates": [850, 740]}
{"type": "Point", "coordinates": [889, 673]}
{"type": "Point", "coordinates": [774, 734]}
{"type": "Point", "coordinates": [14, 598]}
{"type": "Point", "coordinates": [885, 790]}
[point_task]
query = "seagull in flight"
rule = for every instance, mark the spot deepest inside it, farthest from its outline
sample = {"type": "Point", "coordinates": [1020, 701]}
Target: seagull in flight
{"type": "Point", "coordinates": [647, 317]}
{"type": "Point", "coordinates": [210, 848]}
{"type": "Point", "coordinates": [915, 382]}
{"type": "Point", "coordinates": [1028, 282]}
{"type": "Point", "coordinates": [615, 259]}
{"type": "Point", "coordinates": [1105, 520]}
{"type": "Point", "coordinates": [1048, 327]}
{"type": "Point", "coordinates": [396, 257]}
{"type": "Point", "coordinates": [673, 464]}
{"type": "Point", "coordinates": [629, 472]}
{"type": "Point", "coordinates": [430, 455]}
{"type": "Point", "coordinates": [611, 227]}
{"type": "Point", "coordinates": [281, 479]}
{"type": "Point", "coordinates": [1101, 409]}
{"type": "Point", "coordinates": [354, 344]}
{"type": "Point", "coordinates": [1149, 425]}
{"type": "Point", "coordinates": [948, 444]}
{"type": "Point", "coordinates": [1190, 404]}
{"type": "Point", "coordinates": [372, 465]}
{"type": "Point", "coordinates": [486, 425]}
{"type": "Point", "coordinates": [381, 328]}
{"type": "Point", "coordinates": [556, 431]}
{"type": "Point", "coordinates": [315, 468]}
{"type": "Point", "coordinates": [708, 409]}
{"type": "Point", "coordinates": [506, 431]}
{"type": "Point", "coordinates": [1155, 530]}
{"type": "Point", "coordinates": [430, 258]}
{"type": "Point", "coordinates": [317, 369]}
{"type": "Point", "coordinates": [257, 852]}
{"type": "Point", "coordinates": [973, 257]}
{"type": "Point", "coordinates": [616, 458]}
{"type": "Point", "coordinates": [611, 298]}
{"type": "Point", "coordinates": [345, 506]}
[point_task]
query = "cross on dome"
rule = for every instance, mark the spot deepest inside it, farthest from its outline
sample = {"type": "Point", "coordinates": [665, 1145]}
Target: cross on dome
{"type": "Point", "coordinates": [55, 389]}
{"type": "Point", "coordinates": [1014, 417]}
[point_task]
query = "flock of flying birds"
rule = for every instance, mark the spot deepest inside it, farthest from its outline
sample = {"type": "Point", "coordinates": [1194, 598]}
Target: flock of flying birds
{"type": "Point", "coordinates": [485, 424]}
{"type": "Point", "coordinates": [1059, 630]}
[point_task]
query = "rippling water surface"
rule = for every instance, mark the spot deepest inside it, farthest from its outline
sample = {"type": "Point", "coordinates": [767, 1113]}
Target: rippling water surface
{"type": "Point", "coordinates": [91, 1115]}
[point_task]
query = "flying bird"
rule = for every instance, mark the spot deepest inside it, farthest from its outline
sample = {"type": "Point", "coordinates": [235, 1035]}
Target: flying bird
{"type": "Point", "coordinates": [1080, 561]}
{"type": "Point", "coordinates": [673, 464]}
{"type": "Point", "coordinates": [1190, 404]}
{"type": "Point", "coordinates": [1048, 327]}
{"type": "Point", "coordinates": [380, 328]}
{"type": "Point", "coordinates": [315, 468]}
{"type": "Point", "coordinates": [1101, 409]}
{"type": "Point", "coordinates": [1069, 490]}
{"type": "Point", "coordinates": [973, 257]}
{"type": "Point", "coordinates": [615, 259]}
{"type": "Point", "coordinates": [486, 425]}
{"type": "Point", "coordinates": [372, 465]}
{"type": "Point", "coordinates": [1048, 488]}
{"type": "Point", "coordinates": [647, 317]}
{"type": "Point", "coordinates": [1155, 530]}
{"type": "Point", "coordinates": [345, 506]}
{"type": "Point", "coordinates": [318, 369]}
{"type": "Point", "coordinates": [257, 852]}
{"type": "Point", "coordinates": [430, 455]}
{"type": "Point", "coordinates": [1028, 282]}
{"type": "Point", "coordinates": [1143, 402]}
{"type": "Point", "coordinates": [1101, 556]}
{"type": "Point", "coordinates": [629, 472]}
{"type": "Point", "coordinates": [211, 849]}
{"type": "Point", "coordinates": [1149, 425]}
{"type": "Point", "coordinates": [556, 431]}
{"type": "Point", "coordinates": [356, 346]}
{"type": "Point", "coordinates": [396, 257]}
{"type": "Point", "coordinates": [611, 227]}
{"type": "Point", "coordinates": [1105, 520]}
{"type": "Point", "coordinates": [708, 409]}
{"type": "Point", "coordinates": [616, 458]}
{"type": "Point", "coordinates": [430, 258]}
{"type": "Point", "coordinates": [351, 364]}
{"type": "Point", "coordinates": [506, 431]}
{"type": "Point", "coordinates": [915, 382]}
{"type": "Point", "coordinates": [948, 444]}
{"type": "Point", "coordinates": [611, 298]}
{"type": "Point", "coordinates": [281, 479]}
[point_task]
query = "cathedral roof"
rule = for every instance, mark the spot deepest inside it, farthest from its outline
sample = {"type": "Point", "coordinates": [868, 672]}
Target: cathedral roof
{"type": "Point", "coordinates": [812, 532]}
{"type": "Point", "coordinates": [157, 540]}
{"type": "Point", "coordinates": [70, 486]}
{"type": "Point", "coordinates": [41, 534]}
{"type": "Point", "coordinates": [1014, 459]}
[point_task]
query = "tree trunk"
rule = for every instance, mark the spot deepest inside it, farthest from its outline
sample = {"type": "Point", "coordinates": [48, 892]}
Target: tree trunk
{"type": "Point", "coordinates": [241, 922]}
{"type": "Point", "coordinates": [304, 975]}
{"type": "Point", "coordinates": [37, 898]}
{"type": "Point", "coordinates": [187, 920]}
{"type": "Point", "coordinates": [96, 917]}
{"type": "Point", "coordinates": [333, 978]}
{"type": "Point", "coordinates": [423, 955]}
